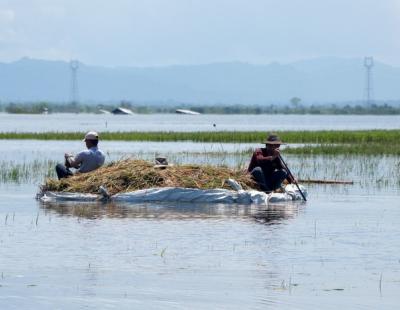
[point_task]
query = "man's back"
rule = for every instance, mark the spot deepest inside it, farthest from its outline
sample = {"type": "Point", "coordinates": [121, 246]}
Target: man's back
{"type": "Point", "coordinates": [90, 159]}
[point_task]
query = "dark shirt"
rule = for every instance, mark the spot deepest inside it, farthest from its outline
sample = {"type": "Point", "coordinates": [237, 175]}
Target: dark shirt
{"type": "Point", "coordinates": [259, 159]}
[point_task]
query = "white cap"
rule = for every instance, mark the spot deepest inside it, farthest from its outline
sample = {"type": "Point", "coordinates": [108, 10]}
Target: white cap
{"type": "Point", "coordinates": [91, 135]}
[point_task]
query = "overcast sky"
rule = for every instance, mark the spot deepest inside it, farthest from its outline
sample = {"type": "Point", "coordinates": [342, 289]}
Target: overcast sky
{"type": "Point", "coordinates": [163, 32]}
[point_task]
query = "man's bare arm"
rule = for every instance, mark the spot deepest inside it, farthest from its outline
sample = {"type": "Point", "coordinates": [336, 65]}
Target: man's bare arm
{"type": "Point", "coordinates": [70, 161]}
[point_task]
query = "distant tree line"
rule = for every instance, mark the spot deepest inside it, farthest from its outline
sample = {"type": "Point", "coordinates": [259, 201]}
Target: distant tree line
{"type": "Point", "coordinates": [293, 108]}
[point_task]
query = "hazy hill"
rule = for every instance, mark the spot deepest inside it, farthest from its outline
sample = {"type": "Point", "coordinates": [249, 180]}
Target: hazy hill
{"type": "Point", "coordinates": [318, 80]}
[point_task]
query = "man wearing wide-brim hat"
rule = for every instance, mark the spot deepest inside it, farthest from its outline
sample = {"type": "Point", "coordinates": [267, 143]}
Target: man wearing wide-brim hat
{"type": "Point", "coordinates": [85, 161]}
{"type": "Point", "coordinates": [266, 167]}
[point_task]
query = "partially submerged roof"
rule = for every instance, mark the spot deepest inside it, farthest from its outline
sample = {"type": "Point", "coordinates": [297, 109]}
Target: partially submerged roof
{"type": "Point", "coordinates": [122, 111]}
{"type": "Point", "coordinates": [102, 111]}
{"type": "Point", "coordinates": [190, 112]}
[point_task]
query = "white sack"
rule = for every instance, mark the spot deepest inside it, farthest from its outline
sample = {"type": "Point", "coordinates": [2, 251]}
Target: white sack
{"type": "Point", "coordinates": [180, 194]}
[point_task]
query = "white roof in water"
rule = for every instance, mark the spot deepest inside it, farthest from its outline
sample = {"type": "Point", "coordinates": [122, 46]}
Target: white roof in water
{"type": "Point", "coordinates": [122, 111]}
{"type": "Point", "coordinates": [182, 111]}
{"type": "Point", "coordinates": [104, 111]}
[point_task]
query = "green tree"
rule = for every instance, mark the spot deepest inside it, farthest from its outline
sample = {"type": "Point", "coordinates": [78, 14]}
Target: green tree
{"type": "Point", "coordinates": [295, 101]}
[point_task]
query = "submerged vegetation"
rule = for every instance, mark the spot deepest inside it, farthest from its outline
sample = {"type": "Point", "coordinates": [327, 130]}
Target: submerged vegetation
{"type": "Point", "coordinates": [32, 171]}
{"type": "Point", "coordinates": [321, 136]}
{"type": "Point", "coordinates": [344, 149]}
{"type": "Point", "coordinates": [367, 149]}
{"type": "Point", "coordinates": [369, 172]}
{"type": "Point", "coordinates": [364, 142]}
{"type": "Point", "coordinates": [129, 174]}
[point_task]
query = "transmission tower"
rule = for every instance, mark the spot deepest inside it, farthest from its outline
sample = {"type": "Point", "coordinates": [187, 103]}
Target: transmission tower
{"type": "Point", "coordinates": [74, 65]}
{"type": "Point", "coordinates": [369, 90]}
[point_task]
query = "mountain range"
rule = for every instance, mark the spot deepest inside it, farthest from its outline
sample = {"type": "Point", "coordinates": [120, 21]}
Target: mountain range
{"type": "Point", "coordinates": [319, 80]}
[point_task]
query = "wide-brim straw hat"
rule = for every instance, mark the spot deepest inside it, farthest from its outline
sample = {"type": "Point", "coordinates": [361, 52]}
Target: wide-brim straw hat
{"type": "Point", "coordinates": [273, 139]}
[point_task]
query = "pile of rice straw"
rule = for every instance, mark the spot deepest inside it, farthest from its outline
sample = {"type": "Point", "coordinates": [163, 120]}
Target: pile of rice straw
{"type": "Point", "coordinates": [129, 175]}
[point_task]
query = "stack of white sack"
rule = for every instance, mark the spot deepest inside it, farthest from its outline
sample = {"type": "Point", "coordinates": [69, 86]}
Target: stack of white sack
{"type": "Point", "coordinates": [180, 194]}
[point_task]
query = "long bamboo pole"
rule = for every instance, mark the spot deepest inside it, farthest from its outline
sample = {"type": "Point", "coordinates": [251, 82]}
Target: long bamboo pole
{"type": "Point", "coordinates": [325, 181]}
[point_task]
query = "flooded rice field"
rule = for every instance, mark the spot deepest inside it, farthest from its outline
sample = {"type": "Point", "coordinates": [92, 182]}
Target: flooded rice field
{"type": "Point", "coordinates": [340, 249]}
{"type": "Point", "coordinates": [204, 122]}
{"type": "Point", "coordinates": [32, 161]}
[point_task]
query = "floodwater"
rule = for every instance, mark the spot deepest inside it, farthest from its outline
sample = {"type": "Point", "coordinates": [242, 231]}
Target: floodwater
{"type": "Point", "coordinates": [203, 122]}
{"type": "Point", "coordinates": [335, 251]}
{"type": "Point", "coordinates": [340, 249]}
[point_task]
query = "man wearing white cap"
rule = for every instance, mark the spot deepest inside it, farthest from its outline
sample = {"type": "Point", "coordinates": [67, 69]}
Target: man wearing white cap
{"type": "Point", "coordinates": [85, 161]}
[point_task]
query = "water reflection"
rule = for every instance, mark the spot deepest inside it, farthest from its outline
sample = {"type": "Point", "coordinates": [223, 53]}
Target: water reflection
{"type": "Point", "coordinates": [275, 214]}
{"type": "Point", "coordinates": [269, 215]}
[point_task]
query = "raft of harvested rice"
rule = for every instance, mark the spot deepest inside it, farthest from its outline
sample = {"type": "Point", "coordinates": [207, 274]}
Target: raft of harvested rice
{"type": "Point", "coordinates": [130, 175]}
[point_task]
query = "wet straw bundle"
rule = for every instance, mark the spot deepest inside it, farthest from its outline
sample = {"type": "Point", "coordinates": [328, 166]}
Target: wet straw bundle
{"type": "Point", "coordinates": [129, 175]}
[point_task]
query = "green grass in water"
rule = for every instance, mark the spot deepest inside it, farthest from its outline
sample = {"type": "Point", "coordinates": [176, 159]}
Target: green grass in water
{"type": "Point", "coordinates": [342, 136]}
{"type": "Point", "coordinates": [366, 142]}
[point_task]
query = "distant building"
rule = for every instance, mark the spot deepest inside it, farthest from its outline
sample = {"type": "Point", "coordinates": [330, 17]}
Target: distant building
{"type": "Point", "coordinates": [122, 111]}
{"type": "Point", "coordinates": [181, 111]}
